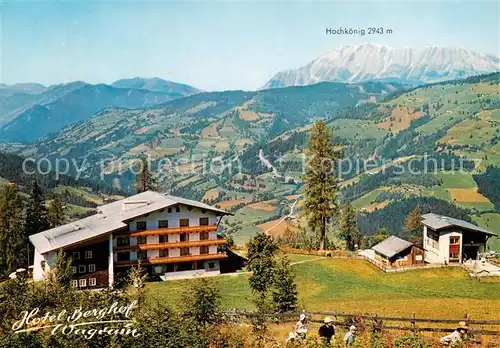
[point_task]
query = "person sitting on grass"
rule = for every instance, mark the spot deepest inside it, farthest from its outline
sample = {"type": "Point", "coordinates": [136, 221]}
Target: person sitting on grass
{"type": "Point", "coordinates": [327, 331]}
{"type": "Point", "coordinates": [350, 336]}
{"type": "Point", "coordinates": [301, 326]}
{"type": "Point", "coordinates": [456, 336]}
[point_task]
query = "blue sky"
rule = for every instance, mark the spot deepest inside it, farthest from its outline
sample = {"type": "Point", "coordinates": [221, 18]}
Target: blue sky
{"type": "Point", "coordinates": [216, 46]}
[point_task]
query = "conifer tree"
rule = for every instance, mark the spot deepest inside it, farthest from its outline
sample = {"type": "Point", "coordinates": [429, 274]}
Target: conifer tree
{"type": "Point", "coordinates": [320, 183]}
{"type": "Point", "coordinates": [348, 228]}
{"type": "Point", "coordinates": [413, 222]}
{"type": "Point", "coordinates": [37, 219]}
{"type": "Point", "coordinates": [261, 251]}
{"type": "Point", "coordinates": [13, 242]}
{"type": "Point", "coordinates": [56, 214]}
{"type": "Point", "coordinates": [284, 290]}
{"type": "Point", "coordinates": [144, 179]}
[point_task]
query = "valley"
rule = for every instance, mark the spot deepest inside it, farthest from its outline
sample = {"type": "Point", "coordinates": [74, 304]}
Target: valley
{"type": "Point", "coordinates": [245, 151]}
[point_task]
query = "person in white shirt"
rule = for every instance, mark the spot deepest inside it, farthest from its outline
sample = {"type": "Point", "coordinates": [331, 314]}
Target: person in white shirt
{"type": "Point", "coordinates": [350, 336]}
{"type": "Point", "coordinates": [456, 336]}
{"type": "Point", "coordinates": [301, 326]}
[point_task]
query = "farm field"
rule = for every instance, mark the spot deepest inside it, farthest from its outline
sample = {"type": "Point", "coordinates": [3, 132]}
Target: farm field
{"type": "Point", "coordinates": [455, 180]}
{"type": "Point", "coordinates": [368, 198]}
{"type": "Point", "coordinates": [350, 285]}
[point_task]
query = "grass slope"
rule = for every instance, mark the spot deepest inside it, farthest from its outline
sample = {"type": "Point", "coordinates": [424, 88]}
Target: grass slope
{"type": "Point", "coordinates": [491, 221]}
{"type": "Point", "coordinates": [351, 285]}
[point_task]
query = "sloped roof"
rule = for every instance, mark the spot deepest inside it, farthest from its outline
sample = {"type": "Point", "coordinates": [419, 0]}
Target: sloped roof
{"type": "Point", "coordinates": [391, 246]}
{"type": "Point", "coordinates": [439, 222]}
{"type": "Point", "coordinates": [110, 217]}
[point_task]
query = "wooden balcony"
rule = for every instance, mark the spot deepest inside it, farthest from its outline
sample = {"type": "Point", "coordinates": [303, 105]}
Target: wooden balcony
{"type": "Point", "coordinates": [163, 260]}
{"type": "Point", "coordinates": [174, 230]}
{"type": "Point", "coordinates": [172, 245]}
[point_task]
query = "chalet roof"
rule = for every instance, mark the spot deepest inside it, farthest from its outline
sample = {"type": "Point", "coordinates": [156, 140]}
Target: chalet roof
{"type": "Point", "coordinates": [109, 218]}
{"type": "Point", "coordinates": [391, 246]}
{"type": "Point", "coordinates": [439, 222]}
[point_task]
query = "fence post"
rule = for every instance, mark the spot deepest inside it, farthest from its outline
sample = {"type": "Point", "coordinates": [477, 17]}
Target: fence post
{"type": "Point", "coordinates": [413, 322]}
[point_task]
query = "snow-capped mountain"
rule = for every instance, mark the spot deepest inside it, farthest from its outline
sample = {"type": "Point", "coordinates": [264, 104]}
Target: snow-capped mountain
{"type": "Point", "coordinates": [358, 63]}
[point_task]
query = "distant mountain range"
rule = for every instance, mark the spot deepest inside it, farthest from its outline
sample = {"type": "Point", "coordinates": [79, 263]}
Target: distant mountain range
{"type": "Point", "coordinates": [32, 111]}
{"type": "Point", "coordinates": [156, 85]}
{"type": "Point", "coordinates": [358, 63]}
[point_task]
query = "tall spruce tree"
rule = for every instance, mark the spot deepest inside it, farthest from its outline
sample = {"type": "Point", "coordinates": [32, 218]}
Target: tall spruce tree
{"type": "Point", "coordinates": [56, 214]}
{"type": "Point", "coordinates": [413, 223]}
{"type": "Point", "coordinates": [284, 290]}
{"type": "Point", "coordinates": [348, 227]}
{"type": "Point", "coordinates": [261, 251]}
{"type": "Point", "coordinates": [320, 183]}
{"type": "Point", "coordinates": [144, 179]}
{"type": "Point", "coordinates": [37, 219]}
{"type": "Point", "coordinates": [13, 242]}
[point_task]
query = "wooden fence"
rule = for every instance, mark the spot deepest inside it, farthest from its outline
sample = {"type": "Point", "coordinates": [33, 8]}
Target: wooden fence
{"type": "Point", "coordinates": [380, 323]}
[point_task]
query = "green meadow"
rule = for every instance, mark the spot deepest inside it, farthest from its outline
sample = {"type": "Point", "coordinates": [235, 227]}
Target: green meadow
{"type": "Point", "coordinates": [352, 285]}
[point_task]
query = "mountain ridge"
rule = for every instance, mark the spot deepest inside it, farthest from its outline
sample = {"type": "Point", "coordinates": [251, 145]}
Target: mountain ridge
{"type": "Point", "coordinates": [358, 63]}
{"type": "Point", "coordinates": [65, 104]}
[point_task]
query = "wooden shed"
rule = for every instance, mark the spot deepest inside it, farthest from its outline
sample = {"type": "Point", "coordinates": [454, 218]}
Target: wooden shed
{"type": "Point", "coordinates": [397, 252]}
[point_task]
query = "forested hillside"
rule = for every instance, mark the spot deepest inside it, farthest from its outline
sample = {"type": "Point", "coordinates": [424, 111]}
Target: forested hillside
{"type": "Point", "coordinates": [80, 195]}
{"type": "Point", "coordinates": [434, 145]}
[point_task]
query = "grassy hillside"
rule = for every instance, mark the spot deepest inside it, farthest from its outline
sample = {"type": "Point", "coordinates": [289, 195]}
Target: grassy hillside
{"type": "Point", "coordinates": [351, 285]}
{"type": "Point", "coordinates": [219, 146]}
{"type": "Point", "coordinates": [80, 197]}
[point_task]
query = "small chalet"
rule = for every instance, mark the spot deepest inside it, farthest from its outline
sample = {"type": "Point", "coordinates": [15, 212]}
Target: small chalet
{"type": "Point", "coordinates": [397, 252]}
{"type": "Point", "coordinates": [169, 235]}
{"type": "Point", "coordinates": [448, 239]}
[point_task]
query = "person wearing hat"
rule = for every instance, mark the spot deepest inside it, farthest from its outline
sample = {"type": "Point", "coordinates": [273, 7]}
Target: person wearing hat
{"type": "Point", "coordinates": [327, 331]}
{"type": "Point", "coordinates": [350, 335]}
{"type": "Point", "coordinates": [301, 326]}
{"type": "Point", "coordinates": [456, 336]}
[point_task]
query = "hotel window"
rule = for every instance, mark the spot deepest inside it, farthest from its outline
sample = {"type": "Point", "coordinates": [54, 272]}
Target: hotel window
{"type": "Point", "coordinates": [88, 254]}
{"type": "Point", "coordinates": [177, 209]}
{"type": "Point", "coordinates": [163, 224]}
{"type": "Point", "coordinates": [163, 252]}
{"type": "Point", "coordinates": [204, 221]}
{"type": "Point", "coordinates": [92, 282]}
{"type": "Point", "coordinates": [141, 240]}
{"type": "Point", "coordinates": [163, 238]}
{"type": "Point", "coordinates": [204, 235]}
{"type": "Point", "coordinates": [454, 240]}
{"type": "Point", "coordinates": [184, 237]}
{"type": "Point", "coordinates": [92, 267]}
{"type": "Point", "coordinates": [204, 250]}
{"type": "Point", "coordinates": [74, 269]}
{"type": "Point", "coordinates": [74, 283]}
{"type": "Point", "coordinates": [123, 256]}
{"type": "Point", "coordinates": [183, 222]}
{"type": "Point", "coordinates": [123, 241]}
{"type": "Point", "coordinates": [82, 269]}
{"type": "Point", "coordinates": [82, 283]}
{"type": "Point", "coordinates": [185, 252]}
{"type": "Point", "coordinates": [140, 225]}
{"type": "Point", "coordinates": [142, 255]}
{"type": "Point", "coordinates": [76, 255]}
{"type": "Point", "coordinates": [169, 210]}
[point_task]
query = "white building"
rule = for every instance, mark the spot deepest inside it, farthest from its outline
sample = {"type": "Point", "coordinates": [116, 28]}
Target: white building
{"type": "Point", "coordinates": [167, 233]}
{"type": "Point", "coordinates": [452, 240]}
